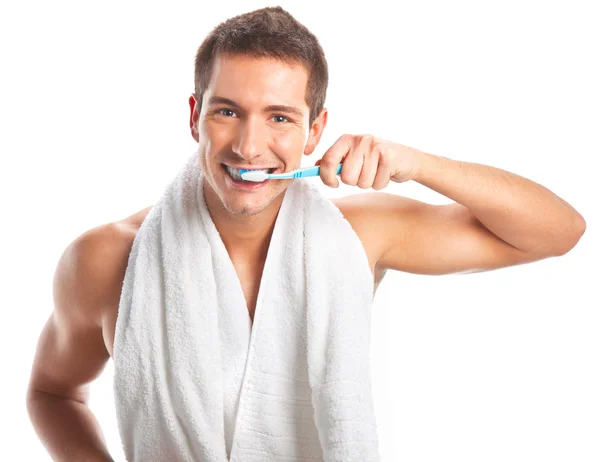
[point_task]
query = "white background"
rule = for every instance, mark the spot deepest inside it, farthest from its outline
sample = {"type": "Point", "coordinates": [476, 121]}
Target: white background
{"type": "Point", "coordinates": [496, 366]}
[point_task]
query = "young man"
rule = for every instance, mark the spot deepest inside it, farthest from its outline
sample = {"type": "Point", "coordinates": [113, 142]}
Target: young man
{"type": "Point", "coordinates": [260, 85]}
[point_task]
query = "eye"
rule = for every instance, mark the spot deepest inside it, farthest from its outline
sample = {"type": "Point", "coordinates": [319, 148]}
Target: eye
{"type": "Point", "coordinates": [226, 112]}
{"type": "Point", "coordinates": [278, 118]}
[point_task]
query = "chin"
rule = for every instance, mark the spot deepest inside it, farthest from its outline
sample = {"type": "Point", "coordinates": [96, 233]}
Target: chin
{"type": "Point", "coordinates": [247, 206]}
{"type": "Point", "coordinates": [244, 209]}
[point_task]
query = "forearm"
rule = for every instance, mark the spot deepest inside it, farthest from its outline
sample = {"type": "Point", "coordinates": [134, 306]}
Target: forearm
{"type": "Point", "coordinates": [517, 210]}
{"type": "Point", "coordinates": [67, 428]}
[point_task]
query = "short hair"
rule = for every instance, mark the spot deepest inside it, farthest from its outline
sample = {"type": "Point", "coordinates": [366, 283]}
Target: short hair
{"type": "Point", "coordinates": [268, 32]}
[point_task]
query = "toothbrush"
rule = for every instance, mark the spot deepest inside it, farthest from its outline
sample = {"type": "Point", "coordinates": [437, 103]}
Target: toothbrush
{"type": "Point", "coordinates": [259, 175]}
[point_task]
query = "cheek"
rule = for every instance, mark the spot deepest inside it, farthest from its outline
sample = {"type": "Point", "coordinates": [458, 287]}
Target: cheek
{"type": "Point", "coordinates": [288, 143]}
{"type": "Point", "coordinates": [218, 134]}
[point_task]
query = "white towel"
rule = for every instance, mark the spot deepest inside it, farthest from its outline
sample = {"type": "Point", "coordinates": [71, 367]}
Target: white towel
{"type": "Point", "coordinates": [195, 381]}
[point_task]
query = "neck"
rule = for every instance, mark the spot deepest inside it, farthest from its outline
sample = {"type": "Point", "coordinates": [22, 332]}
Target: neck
{"type": "Point", "coordinates": [245, 237]}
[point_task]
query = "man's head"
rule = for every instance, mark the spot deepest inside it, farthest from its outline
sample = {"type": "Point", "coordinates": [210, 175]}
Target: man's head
{"type": "Point", "coordinates": [260, 86]}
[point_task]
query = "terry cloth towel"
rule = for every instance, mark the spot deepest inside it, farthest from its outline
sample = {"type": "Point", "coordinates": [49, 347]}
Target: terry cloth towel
{"type": "Point", "coordinates": [195, 381]}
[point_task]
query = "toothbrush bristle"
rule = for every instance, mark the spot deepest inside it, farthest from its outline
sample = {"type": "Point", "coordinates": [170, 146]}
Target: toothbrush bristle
{"type": "Point", "coordinates": [254, 176]}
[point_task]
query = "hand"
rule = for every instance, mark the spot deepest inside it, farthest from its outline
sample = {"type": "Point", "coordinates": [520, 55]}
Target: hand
{"type": "Point", "coordinates": [369, 162]}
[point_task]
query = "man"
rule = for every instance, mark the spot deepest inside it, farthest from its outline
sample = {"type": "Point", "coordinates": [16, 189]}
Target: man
{"type": "Point", "coordinates": [261, 80]}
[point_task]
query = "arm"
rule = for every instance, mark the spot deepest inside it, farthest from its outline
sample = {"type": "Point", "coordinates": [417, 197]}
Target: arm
{"type": "Point", "coordinates": [499, 219]}
{"type": "Point", "coordinates": [519, 211]}
{"type": "Point", "coordinates": [71, 353]}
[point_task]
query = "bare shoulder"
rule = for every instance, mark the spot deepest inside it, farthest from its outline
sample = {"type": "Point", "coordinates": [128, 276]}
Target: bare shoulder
{"type": "Point", "coordinates": [102, 252]}
{"type": "Point", "coordinates": [97, 260]}
{"type": "Point", "coordinates": [76, 341]}
{"type": "Point", "coordinates": [366, 213]}
{"type": "Point", "coordinates": [355, 209]}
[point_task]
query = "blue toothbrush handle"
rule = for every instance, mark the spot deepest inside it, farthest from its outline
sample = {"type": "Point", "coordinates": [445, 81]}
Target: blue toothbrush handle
{"type": "Point", "coordinates": [312, 171]}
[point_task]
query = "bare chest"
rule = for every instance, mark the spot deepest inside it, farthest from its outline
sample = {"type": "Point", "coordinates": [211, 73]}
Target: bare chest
{"type": "Point", "coordinates": [250, 275]}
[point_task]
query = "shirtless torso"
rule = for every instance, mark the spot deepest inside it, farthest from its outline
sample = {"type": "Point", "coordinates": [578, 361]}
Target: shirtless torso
{"type": "Point", "coordinates": [123, 232]}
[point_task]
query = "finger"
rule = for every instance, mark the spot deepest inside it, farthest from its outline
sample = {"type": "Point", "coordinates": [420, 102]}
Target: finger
{"type": "Point", "coordinates": [353, 163]}
{"type": "Point", "coordinates": [384, 172]}
{"type": "Point", "coordinates": [332, 158]}
{"type": "Point", "coordinates": [363, 167]}
{"type": "Point", "coordinates": [369, 170]}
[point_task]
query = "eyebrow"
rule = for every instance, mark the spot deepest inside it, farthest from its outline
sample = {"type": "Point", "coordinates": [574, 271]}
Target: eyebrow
{"type": "Point", "coordinates": [273, 107]}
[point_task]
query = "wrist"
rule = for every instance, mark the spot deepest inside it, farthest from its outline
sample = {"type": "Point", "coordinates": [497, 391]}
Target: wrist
{"type": "Point", "coordinates": [422, 163]}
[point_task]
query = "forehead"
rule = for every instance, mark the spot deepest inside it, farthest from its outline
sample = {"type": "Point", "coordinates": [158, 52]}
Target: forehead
{"type": "Point", "coordinates": [248, 81]}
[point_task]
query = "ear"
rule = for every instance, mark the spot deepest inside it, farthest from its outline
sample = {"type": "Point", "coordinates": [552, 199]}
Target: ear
{"type": "Point", "coordinates": [315, 132]}
{"type": "Point", "coordinates": [194, 114]}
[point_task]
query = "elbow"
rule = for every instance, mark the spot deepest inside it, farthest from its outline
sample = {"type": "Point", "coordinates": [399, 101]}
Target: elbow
{"type": "Point", "coordinates": [572, 235]}
{"type": "Point", "coordinates": [582, 224]}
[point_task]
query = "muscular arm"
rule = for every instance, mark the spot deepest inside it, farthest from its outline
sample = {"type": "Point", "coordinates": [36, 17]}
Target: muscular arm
{"type": "Point", "coordinates": [71, 351]}
{"type": "Point", "coordinates": [417, 237]}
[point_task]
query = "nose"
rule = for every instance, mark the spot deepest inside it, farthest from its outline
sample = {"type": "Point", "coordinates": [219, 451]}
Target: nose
{"type": "Point", "coordinates": [251, 139]}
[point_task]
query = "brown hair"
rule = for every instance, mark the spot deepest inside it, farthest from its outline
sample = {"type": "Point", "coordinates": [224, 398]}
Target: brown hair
{"type": "Point", "coordinates": [268, 32]}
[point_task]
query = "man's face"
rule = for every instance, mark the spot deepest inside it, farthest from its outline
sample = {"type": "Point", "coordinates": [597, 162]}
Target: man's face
{"type": "Point", "coordinates": [253, 115]}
